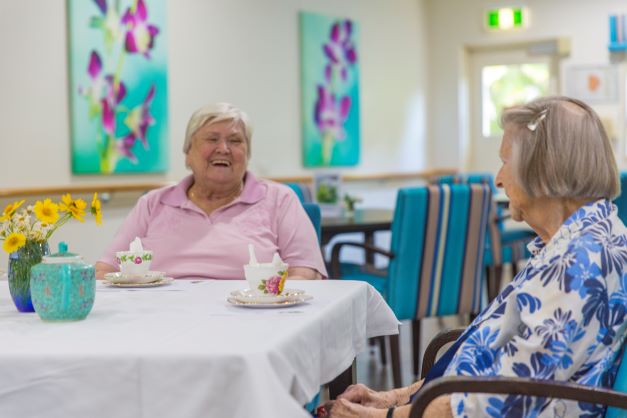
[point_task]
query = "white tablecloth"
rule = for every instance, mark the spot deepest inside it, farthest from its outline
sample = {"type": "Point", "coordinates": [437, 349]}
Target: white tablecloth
{"type": "Point", "coordinates": [182, 351]}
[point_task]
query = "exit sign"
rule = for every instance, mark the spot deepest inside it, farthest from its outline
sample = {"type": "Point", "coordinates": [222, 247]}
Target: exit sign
{"type": "Point", "coordinates": [506, 18]}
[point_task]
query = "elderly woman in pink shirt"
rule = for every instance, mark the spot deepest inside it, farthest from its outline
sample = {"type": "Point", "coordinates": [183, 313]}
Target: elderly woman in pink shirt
{"type": "Point", "coordinates": [201, 226]}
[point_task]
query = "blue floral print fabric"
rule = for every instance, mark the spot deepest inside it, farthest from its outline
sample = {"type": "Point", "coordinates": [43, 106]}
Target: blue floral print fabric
{"type": "Point", "coordinates": [561, 318]}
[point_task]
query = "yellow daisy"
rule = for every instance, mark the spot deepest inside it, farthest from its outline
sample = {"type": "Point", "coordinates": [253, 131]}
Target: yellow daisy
{"type": "Point", "coordinates": [95, 209]}
{"type": "Point", "coordinates": [10, 209]}
{"type": "Point", "coordinates": [75, 207]}
{"type": "Point", "coordinates": [14, 242]}
{"type": "Point", "coordinates": [47, 211]}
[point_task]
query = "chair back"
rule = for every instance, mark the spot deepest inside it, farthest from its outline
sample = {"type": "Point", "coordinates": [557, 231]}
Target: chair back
{"type": "Point", "coordinates": [495, 224]}
{"type": "Point", "coordinates": [621, 200]}
{"type": "Point", "coordinates": [620, 385]}
{"type": "Point", "coordinates": [302, 190]}
{"type": "Point", "coordinates": [313, 211]}
{"type": "Point", "coordinates": [438, 236]}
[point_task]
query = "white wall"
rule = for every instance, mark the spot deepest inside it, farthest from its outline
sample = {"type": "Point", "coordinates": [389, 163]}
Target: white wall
{"type": "Point", "coordinates": [242, 51]}
{"type": "Point", "coordinates": [457, 24]}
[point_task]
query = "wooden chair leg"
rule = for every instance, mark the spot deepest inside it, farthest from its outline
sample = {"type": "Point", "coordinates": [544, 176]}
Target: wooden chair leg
{"type": "Point", "coordinates": [415, 333]}
{"type": "Point", "coordinates": [382, 351]}
{"type": "Point", "coordinates": [395, 354]}
{"type": "Point", "coordinates": [495, 274]}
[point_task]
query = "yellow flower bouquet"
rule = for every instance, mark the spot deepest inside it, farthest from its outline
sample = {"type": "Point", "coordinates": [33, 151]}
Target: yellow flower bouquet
{"type": "Point", "coordinates": [26, 233]}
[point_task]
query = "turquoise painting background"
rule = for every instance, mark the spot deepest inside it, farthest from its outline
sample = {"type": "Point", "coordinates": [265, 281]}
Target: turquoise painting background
{"type": "Point", "coordinates": [314, 33]}
{"type": "Point", "coordinates": [138, 74]}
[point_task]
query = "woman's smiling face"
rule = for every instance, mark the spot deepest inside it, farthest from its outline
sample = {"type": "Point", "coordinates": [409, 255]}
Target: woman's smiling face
{"type": "Point", "coordinates": [218, 154]}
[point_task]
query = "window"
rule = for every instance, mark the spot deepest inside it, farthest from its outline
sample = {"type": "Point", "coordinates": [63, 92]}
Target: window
{"type": "Point", "coordinates": [507, 85]}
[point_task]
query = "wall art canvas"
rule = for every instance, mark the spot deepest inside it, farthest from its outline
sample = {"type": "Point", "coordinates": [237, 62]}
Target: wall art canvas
{"type": "Point", "coordinates": [118, 86]}
{"type": "Point", "coordinates": [329, 90]}
{"type": "Point", "coordinates": [593, 84]}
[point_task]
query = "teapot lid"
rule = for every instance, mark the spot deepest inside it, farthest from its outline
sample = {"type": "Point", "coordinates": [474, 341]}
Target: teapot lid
{"type": "Point", "coordinates": [62, 257]}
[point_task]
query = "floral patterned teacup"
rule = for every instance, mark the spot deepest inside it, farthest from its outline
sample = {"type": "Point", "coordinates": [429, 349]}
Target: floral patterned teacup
{"type": "Point", "coordinates": [266, 278]}
{"type": "Point", "coordinates": [134, 263]}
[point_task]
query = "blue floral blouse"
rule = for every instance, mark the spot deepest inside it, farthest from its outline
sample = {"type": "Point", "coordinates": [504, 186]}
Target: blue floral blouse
{"type": "Point", "coordinates": [561, 318]}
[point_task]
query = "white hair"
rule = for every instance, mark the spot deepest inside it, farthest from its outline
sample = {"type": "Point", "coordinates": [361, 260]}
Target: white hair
{"type": "Point", "coordinates": [560, 149]}
{"type": "Point", "coordinates": [215, 113]}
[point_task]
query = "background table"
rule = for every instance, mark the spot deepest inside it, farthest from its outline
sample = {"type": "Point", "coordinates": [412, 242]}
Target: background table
{"type": "Point", "coordinates": [182, 351]}
{"type": "Point", "coordinates": [366, 221]}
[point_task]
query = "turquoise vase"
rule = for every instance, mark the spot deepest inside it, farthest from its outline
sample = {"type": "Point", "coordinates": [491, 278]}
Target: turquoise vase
{"type": "Point", "coordinates": [20, 263]}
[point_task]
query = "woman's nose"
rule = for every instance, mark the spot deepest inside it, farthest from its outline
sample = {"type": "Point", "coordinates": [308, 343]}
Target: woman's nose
{"type": "Point", "coordinates": [497, 179]}
{"type": "Point", "coordinates": [223, 145]}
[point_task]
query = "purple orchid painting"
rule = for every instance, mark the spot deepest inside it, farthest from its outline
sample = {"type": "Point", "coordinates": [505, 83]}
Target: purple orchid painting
{"type": "Point", "coordinates": [330, 91]}
{"type": "Point", "coordinates": [119, 86]}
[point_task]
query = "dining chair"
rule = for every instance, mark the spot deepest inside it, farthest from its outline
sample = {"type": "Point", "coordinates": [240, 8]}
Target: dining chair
{"type": "Point", "coordinates": [435, 258]}
{"type": "Point", "coordinates": [621, 200]}
{"type": "Point", "coordinates": [616, 398]}
{"type": "Point", "coordinates": [302, 190]}
{"type": "Point", "coordinates": [313, 211]}
{"type": "Point", "coordinates": [504, 245]}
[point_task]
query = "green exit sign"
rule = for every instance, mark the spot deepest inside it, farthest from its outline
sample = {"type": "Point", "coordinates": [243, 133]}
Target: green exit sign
{"type": "Point", "coordinates": [506, 18]}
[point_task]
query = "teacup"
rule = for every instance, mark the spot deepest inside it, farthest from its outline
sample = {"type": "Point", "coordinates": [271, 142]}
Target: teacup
{"type": "Point", "coordinates": [134, 263]}
{"type": "Point", "coordinates": [266, 278]}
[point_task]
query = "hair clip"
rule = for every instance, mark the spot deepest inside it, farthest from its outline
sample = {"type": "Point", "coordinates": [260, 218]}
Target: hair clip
{"type": "Point", "coordinates": [533, 125]}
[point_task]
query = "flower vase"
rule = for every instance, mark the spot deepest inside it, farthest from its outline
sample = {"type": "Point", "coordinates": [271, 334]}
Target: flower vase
{"type": "Point", "coordinates": [20, 263]}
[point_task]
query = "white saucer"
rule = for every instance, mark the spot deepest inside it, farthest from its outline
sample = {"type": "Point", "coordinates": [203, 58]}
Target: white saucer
{"type": "Point", "coordinates": [159, 282]}
{"type": "Point", "coordinates": [248, 296]}
{"type": "Point", "coordinates": [120, 278]}
{"type": "Point", "coordinates": [290, 301]}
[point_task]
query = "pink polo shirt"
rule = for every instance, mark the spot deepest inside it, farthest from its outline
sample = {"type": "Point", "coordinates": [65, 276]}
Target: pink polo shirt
{"type": "Point", "coordinates": [186, 242]}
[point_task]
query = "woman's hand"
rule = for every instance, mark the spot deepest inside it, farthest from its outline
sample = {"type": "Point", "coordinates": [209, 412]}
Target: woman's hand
{"type": "Point", "coordinates": [103, 268]}
{"type": "Point", "coordinates": [363, 395]}
{"type": "Point", "coordinates": [345, 409]}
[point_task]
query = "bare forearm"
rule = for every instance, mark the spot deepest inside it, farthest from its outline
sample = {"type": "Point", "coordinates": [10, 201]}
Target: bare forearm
{"type": "Point", "coordinates": [302, 273]}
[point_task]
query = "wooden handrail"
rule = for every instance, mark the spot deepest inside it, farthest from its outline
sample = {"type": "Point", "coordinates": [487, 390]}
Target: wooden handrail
{"type": "Point", "coordinates": [141, 187]}
{"type": "Point", "coordinates": [81, 188]}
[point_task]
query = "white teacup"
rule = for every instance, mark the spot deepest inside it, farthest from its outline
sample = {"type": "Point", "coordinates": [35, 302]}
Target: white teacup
{"type": "Point", "coordinates": [134, 263]}
{"type": "Point", "coordinates": [266, 278]}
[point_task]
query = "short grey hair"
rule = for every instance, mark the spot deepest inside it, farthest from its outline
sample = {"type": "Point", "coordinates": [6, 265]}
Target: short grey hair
{"type": "Point", "coordinates": [215, 113]}
{"type": "Point", "coordinates": [560, 149]}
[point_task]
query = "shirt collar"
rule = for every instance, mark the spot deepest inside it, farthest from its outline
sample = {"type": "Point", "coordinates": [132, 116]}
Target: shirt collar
{"type": "Point", "coordinates": [588, 214]}
{"type": "Point", "coordinates": [254, 190]}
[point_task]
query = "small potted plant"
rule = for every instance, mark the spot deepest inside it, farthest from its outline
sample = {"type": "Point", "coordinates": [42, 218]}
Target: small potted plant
{"type": "Point", "coordinates": [349, 204]}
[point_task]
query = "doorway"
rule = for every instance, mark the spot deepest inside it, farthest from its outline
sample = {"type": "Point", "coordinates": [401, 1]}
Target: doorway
{"type": "Point", "coordinates": [500, 77]}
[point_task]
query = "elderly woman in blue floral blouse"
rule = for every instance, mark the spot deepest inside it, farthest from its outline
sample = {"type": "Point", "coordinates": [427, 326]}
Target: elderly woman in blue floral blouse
{"type": "Point", "coordinates": [563, 317]}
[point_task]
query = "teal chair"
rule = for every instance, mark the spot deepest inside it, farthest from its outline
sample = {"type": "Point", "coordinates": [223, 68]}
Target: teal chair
{"type": "Point", "coordinates": [435, 258]}
{"type": "Point", "coordinates": [302, 190]}
{"type": "Point", "coordinates": [616, 398]}
{"type": "Point", "coordinates": [313, 211]}
{"type": "Point", "coordinates": [503, 245]}
{"type": "Point", "coordinates": [621, 200]}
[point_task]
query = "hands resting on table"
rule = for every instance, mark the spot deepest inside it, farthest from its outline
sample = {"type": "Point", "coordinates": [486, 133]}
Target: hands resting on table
{"type": "Point", "coordinates": [359, 401]}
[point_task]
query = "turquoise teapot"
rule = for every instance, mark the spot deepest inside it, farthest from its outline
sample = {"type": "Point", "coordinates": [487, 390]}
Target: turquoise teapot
{"type": "Point", "coordinates": [62, 286]}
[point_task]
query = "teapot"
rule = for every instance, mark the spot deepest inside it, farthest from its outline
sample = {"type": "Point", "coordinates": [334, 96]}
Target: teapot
{"type": "Point", "coordinates": [63, 286]}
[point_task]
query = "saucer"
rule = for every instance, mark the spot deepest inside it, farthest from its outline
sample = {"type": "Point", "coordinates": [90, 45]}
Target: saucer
{"type": "Point", "coordinates": [289, 301]}
{"type": "Point", "coordinates": [248, 295]}
{"type": "Point", "coordinates": [120, 278]}
{"type": "Point", "coordinates": [159, 282]}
